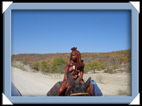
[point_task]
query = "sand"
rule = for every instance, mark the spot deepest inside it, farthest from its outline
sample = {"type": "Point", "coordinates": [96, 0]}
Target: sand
{"type": "Point", "coordinates": [31, 83]}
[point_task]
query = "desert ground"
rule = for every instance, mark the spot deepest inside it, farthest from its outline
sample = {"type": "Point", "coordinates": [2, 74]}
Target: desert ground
{"type": "Point", "coordinates": [31, 83]}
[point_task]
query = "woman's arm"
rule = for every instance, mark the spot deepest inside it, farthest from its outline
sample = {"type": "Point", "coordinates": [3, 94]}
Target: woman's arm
{"type": "Point", "coordinates": [66, 69]}
{"type": "Point", "coordinates": [81, 73]}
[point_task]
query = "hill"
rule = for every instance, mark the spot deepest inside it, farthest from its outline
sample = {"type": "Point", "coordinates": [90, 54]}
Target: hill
{"type": "Point", "coordinates": [55, 62]}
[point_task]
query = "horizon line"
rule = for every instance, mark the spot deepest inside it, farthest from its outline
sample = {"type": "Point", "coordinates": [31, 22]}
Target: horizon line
{"type": "Point", "coordinates": [70, 52]}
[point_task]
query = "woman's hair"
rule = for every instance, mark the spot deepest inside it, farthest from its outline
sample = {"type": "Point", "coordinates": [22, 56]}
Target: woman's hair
{"type": "Point", "coordinates": [78, 56]}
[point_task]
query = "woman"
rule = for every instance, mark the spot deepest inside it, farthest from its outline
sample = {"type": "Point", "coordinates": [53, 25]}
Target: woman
{"type": "Point", "coordinates": [75, 66]}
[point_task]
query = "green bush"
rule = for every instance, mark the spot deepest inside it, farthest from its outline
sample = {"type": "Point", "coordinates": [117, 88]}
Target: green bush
{"type": "Point", "coordinates": [44, 66]}
{"type": "Point", "coordinates": [57, 66]}
{"type": "Point", "coordinates": [95, 65]}
{"type": "Point", "coordinates": [35, 66]}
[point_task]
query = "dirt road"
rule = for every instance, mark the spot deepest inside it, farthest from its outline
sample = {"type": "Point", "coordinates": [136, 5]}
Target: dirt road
{"type": "Point", "coordinates": [32, 83]}
{"type": "Point", "coordinates": [37, 84]}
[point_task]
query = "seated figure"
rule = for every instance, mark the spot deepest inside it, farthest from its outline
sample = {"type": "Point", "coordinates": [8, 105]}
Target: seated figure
{"type": "Point", "coordinates": [76, 67]}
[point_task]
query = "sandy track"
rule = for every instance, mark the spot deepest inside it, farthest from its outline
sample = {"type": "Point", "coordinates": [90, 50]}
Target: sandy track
{"type": "Point", "coordinates": [37, 84]}
{"type": "Point", "coordinates": [31, 83]}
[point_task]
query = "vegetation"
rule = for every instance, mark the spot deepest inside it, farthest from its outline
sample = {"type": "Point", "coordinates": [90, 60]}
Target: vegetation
{"type": "Point", "coordinates": [19, 65]}
{"type": "Point", "coordinates": [95, 65]}
{"type": "Point", "coordinates": [56, 62]}
{"type": "Point", "coordinates": [58, 65]}
{"type": "Point", "coordinates": [44, 67]}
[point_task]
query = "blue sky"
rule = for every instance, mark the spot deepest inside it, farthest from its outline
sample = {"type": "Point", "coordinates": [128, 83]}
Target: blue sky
{"type": "Point", "coordinates": [57, 31]}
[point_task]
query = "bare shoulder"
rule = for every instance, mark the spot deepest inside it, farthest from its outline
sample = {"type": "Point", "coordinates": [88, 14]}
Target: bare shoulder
{"type": "Point", "coordinates": [68, 62]}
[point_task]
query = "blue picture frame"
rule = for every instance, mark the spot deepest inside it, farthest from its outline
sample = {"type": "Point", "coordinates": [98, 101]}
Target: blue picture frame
{"type": "Point", "coordinates": [72, 100]}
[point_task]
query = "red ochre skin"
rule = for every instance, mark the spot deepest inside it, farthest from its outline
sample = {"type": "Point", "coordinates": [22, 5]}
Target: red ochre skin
{"type": "Point", "coordinates": [75, 66]}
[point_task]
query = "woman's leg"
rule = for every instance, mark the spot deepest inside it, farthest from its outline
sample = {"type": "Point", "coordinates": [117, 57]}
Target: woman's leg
{"type": "Point", "coordinates": [82, 81]}
{"type": "Point", "coordinates": [89, 91]}
{"type": "Point", "coordinates": [62, 88]}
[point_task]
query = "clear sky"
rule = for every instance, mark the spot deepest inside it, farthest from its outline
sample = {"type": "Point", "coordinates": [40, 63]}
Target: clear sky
{"type": "Point", "coordinates": [57, 31]}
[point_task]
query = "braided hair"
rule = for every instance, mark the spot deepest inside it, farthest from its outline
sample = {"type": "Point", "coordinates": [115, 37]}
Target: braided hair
{"type": "Point", "coordinates": [78, 55]}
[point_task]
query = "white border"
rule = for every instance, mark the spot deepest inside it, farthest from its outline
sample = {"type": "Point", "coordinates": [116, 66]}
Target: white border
{"type": "Point", "coordinates": [5, 5]}
{"type": "Point", "coordinates": [136, 4]}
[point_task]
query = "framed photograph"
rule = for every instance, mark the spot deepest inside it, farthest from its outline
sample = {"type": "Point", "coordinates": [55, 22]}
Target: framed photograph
{"type": "Point", "coordinates": [40, 42]}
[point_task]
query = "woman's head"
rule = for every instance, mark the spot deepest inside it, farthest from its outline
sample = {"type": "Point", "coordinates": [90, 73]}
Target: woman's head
{"type": "Point", "coordinates": [76, 56]}
{"type": "Point", "coordinates": [73, 56]}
